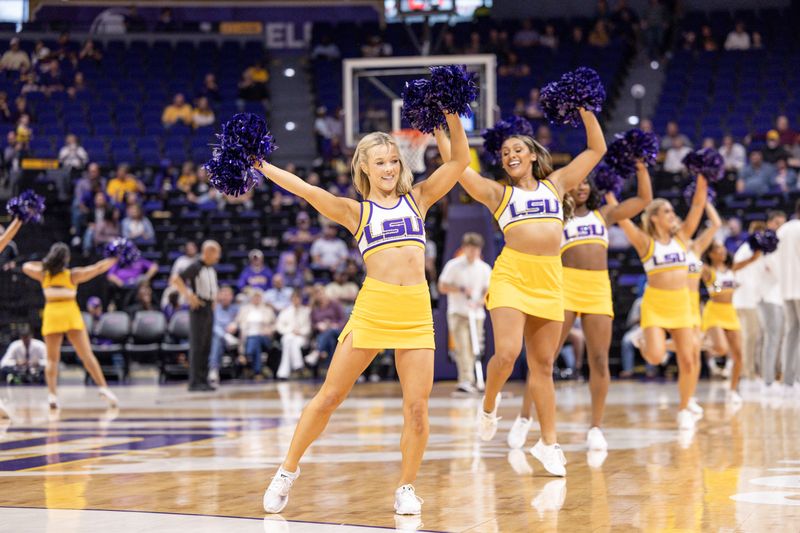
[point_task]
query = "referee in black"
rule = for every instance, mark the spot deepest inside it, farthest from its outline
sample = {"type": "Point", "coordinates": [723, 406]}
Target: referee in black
{"type": "Point", "coordinates": [197, 283]}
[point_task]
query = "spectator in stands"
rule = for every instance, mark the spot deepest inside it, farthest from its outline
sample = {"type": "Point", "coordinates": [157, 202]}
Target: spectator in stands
{"type": "Point", "coordinates": [707, 40]}
{"type": "Point", "coordinates": [293, 272]}
{"type": "Point", "coordinates": [5, 109]}
{"type": "Point", "coordinates": [549, 39]}
{"type": "Point", "coordinates": [78, 85]}
{"type": "Point", "coordinates": [774, 151]}
{"type": "Point", "coordinates": [342, 289]}
{"type": "Point", "coordinates": [494, 45]}
{"type": "Point", "coordinates": [733, 154]}
{"type": "Point", "coordinates": [519, 107]}
{"type": "Point", "coordinates": [533, 109]}
{"type": "Point", "coordinates": [322, 132]}
{"type": "Point", "coordinates": [24, 131]}
{"type": "Point", "coordinates": [256, 324]}
{"type": "Point", "coordinates": [326, 49]}
{"type": "Point", "coordinates": [202, 193]}
{"type": "Point", "coordinates": [343, 186]}
{"type": "Point", "coordinates": [279, 296]}
{"type": "Point", "coordinates": [474, 46]}
{"type": "Point", "coordinates": [376, 47]}
{"type": "Point", "coordinates": [673, 160]}
{"type": "Point", "coordinates": [757, 175]}
{"type": "Point", "coordinates": [646, 125]}
{"type": "Point", "coordinates": [40, 53]}
{"type": "Point", "coordinates": [89, 53]}
{"type": "Point", "coordinates": [256, 275]}
{"type": "Point", "coordinates": [187, 178]}
{"type": "Point", "coordinates": [788, 136]}
{"type": "Point", "coordinates": [83, 196]}
{"type": "Point", "coordinates": [53, 80]}
{"type": "Point", "coordinates": [210, 89]}
{"type": "Point", "coordinates": [758, 42]}
{"type": "Point", "coordinates": [294, 325]}
{"type": "Point", "coordinates": [785, 179]}
{"type": "Point", "coordinates": [178, 111]}
{"type": "Point", "coordinates": [448, 45]}
{"type": "Point", "coordinates": [327, 320]}
{"type": "Point", "coordinates": [708, 142]}
{"type": "Point", "coordinates": [225, 313]}
{"type": "Point", "coordinates": [653, 24]}
{"type": "Point", "coordinates": [253, 85]}
{"type": "Point", "coordinates": [126, 280]}
{"type": "Point", "coordinates": [303, 233]}
{"type": "Point", "coordinates": [202, 115]}
{"type": "Point", "coordinates": [526, 36]}
{"type": "Point", "coordinates": [94, 306]}
{"type": "Point", "coordinates": [21, 108]}
{"type": "Point", "coordinates": [171, 303]}
{"type": "Point", "coordinates": [103, 224]}
{"type": "Point", "coordinates": [738, 39]}
{"type": "Point", "coordinates": [329, 252]}
{"type": "Point", "coordinates": [14, 59]}
{"type": "Point", "coordinates": [544, 136]}
{"type": "Point", "coordinates": [513, 68]}
{"type": "Point", "coordinates": [13, 153]}
{"type": "Point", "coordinates": [24, 360]}
{"type": "Point", "coordinates": [123, 183]}
{"type": "Point", "coordinates": [599, 37]}
{"type": "Point", "coordinates": [672, 135]}
{"type": "Point", "coordinates": [65, 50]}
{"type": "Point", "coordinates": [165, 22]}
{"type": "Point", "coordinates": [143, 301]}
{"type": "Point", "coordinates": [689, 41]}
{"type": "Point", "coordinates": [137, 227]}
{"type": "Point", "coordinates": [735, 234]}
{"type": "Point", "coordinates": [72, 155]}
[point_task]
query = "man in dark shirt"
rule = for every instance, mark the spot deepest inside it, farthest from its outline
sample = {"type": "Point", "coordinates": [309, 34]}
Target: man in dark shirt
{"type": "Point", "coordinates": [197, 283]}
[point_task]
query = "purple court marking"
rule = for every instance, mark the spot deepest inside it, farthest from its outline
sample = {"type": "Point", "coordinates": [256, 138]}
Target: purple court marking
{"type": "Point", "coordinates": [221, 516]}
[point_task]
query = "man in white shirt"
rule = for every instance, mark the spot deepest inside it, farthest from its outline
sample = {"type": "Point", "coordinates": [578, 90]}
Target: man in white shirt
{"type": "Point", "coordinates": [24, 359]}
{"type": "Point", "coordinates": [733, 154]}
{"type": "Point", "coordinates": [738, 39]}
{"type": "Point", "coordinates": [767, 286]}
{"type": "Point", "coordinates": [329, 252]}
{"type": "Point", "coordinates": [14, 58]}
{"type": "Point", "coordinates": [746, 301]}
{"type": "Point", "coordinates": [294, 325]}
{"type": "Point", "coordinates": [465, 280]}
{"type": "Point", "coordinates": [787, 257]}
{"type": "Point", "coordinates": [673, 160]}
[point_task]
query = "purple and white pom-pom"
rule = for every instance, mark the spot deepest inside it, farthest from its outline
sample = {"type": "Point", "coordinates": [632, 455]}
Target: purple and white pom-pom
{"type": "Point", "coordinates": [28, 207]}
{"type": "Point", "coordinates": [766, 241]}
{"type": "Point", "coordinates": [230, 172]}
{"type": "Point", "coordinates": [688, 192]}
{"type": "Point", "coordinates": [450, 89]}
{"type": "Point", "coordinates": [494, 137]}
{"type": "Point", "coordinates": [248, 134]}
{"type": "Point", "coordinates": [707, 162]}
{"type": "Point", "coordinates": [124, 250]}
{"type": "Point", "coordinates": [606, 179]}
{"type": "Point", "coordinates": [580, 88]}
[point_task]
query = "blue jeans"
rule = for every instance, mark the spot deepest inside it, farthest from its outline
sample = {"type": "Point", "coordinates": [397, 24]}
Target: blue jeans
{"type": "Point", "coordinates": [327, 340]}
{"type": "Point", "coordinates": [217, 348]}
{"type": "Point", "coordinates": [253, 346]}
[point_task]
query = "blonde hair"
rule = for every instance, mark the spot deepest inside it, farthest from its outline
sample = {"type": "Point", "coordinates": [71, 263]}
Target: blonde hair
{"type": "Point", "coordinates": [649, 211]}
{"type": "Point", "coordinates": [543, 167]}
{"type": "Point", "coordinates": [756, 226]}
{"type": "Point", "coordinates": [360, 159]}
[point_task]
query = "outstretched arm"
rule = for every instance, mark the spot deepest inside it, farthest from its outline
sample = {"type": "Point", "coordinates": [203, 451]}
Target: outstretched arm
{"type": "Point", "coordinates": [34, 270]}
{"type": "Point", "coordinates": [484, 190]}
{"type": "Point", "coordinates": [428, 192]}
{"type": "Point", "coordinates": [568, 177]}
{"type": "Point", "coordinates": [632, 206]}
{"type": "Point", "coordinates": [706, 237]}
{"type": "Point", "coordinates": [10, 232]}
{"type": "Point", "coordinates": [638, 239]}
{"type": "Point", "coordinates": [82, 274]}
{"type": "Point", "coordinates": [699, 201]}
{"type": "Point", "coordinates": [750, 260]}
{"type": "Point", "coordinates": [343, 211]}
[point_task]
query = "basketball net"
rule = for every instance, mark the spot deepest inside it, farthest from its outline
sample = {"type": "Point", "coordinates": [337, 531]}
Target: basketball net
{"type": "Point", "coordinates": [412, 145]}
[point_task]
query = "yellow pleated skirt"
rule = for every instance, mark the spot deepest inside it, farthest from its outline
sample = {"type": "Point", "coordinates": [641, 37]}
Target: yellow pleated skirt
{"type": "Point", "coordinates": [716, 314]}
{"type": "Point", "coordinates": [668, 309]}
{"type": "Point", "coordinates": [588, 292]}
{"type": "Point", "coordinates": [61, 317]}
{"type": "Point", "coordinates": [532, 284]}
{"type": "Point", "coordinates": [694, 301]}
{"type": "Point", "coordinates": [391, 316]}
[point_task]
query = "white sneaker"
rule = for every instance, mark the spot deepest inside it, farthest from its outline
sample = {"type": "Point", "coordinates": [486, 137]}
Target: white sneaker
{"type": "Point", "coordinates": [52, 400]}
{"type": "Point", "coordinates": [775, 389]}
{"type": "Point", "coordinates": [519, 462]}
{"type": "Point", "coordinates": [277, 494]}
{"type": "Point", "coordinates": [213, 377]}
{"type": "Point", "coordinates": [466, 387]}
{"type": "Point", "coordinates": [686, 420]}
{"type": "Point", "coordinates": [312, 358]}
{"type": "Point", "coordinates": [596, 458]}
{"type": "Point", "coordinates": [109, 396]}
{"type": "Point", "coordinates": [595, 439]}
{"type": "Point", "coordinates": [519, 432]}
{"type": "Point", "coordinates": [406, 502]}
{"type": "Point", "coordinates": [487, 422]}
{"type": "Point", "coordinates": [734, 398]}
{"type": "Point", "coordinates": [551, 457]}
{"type": "Point", "coordinates": [695, 407]}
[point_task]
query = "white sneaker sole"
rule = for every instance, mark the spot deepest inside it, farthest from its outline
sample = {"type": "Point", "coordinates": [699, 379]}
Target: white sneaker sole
{"type": "Point", "coordinates": [275, 511]}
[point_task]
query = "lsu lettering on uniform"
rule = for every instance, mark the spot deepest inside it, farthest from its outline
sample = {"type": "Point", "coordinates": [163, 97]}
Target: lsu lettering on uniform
{"type": "Point", "coordinates": [529, 283]}
{"type": "Point", "coordinates": [695, 266]}
{"type": "Point", "coordinates": [586, 291]}
{"type": "Point", "coordinates": [387, 315]}
{"type": "Point", "coordinates": [662, 308]}
{"type": "Point", "coordinates": [721, 314]}
{"type": "Point", "coordinates": [61, 312]}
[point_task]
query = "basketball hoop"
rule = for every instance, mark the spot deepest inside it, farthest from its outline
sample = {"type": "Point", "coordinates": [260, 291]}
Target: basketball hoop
{"type": "Point", "coordinates": [412, 145]}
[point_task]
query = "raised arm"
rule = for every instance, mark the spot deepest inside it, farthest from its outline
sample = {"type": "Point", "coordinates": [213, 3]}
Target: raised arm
{"type": "Point", "coordinates": [699, 201]}
{"type": "Point", "coordinates": [632, 206]}
{"type": "Point", "coordinates": [747, 262]}
{"type": "Point", "coordinates": [10, 232]}
{"type": "Point", "coordinates": [428, 192]}
{"type": "Point", "coordinates": [706, 237]}
{"type": "Point", "coordinates": [484, 190]}
{"type": "Point", "coordinates": [568, 177]}
{"type": "Point", "coordinates": [638, 238]}
{"type": "Point", "coordinates": [343, 211]}
{"type": "Point", "coordinates": [82, 274]}
{"type": "Point", "coordinates": [34, 270]}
